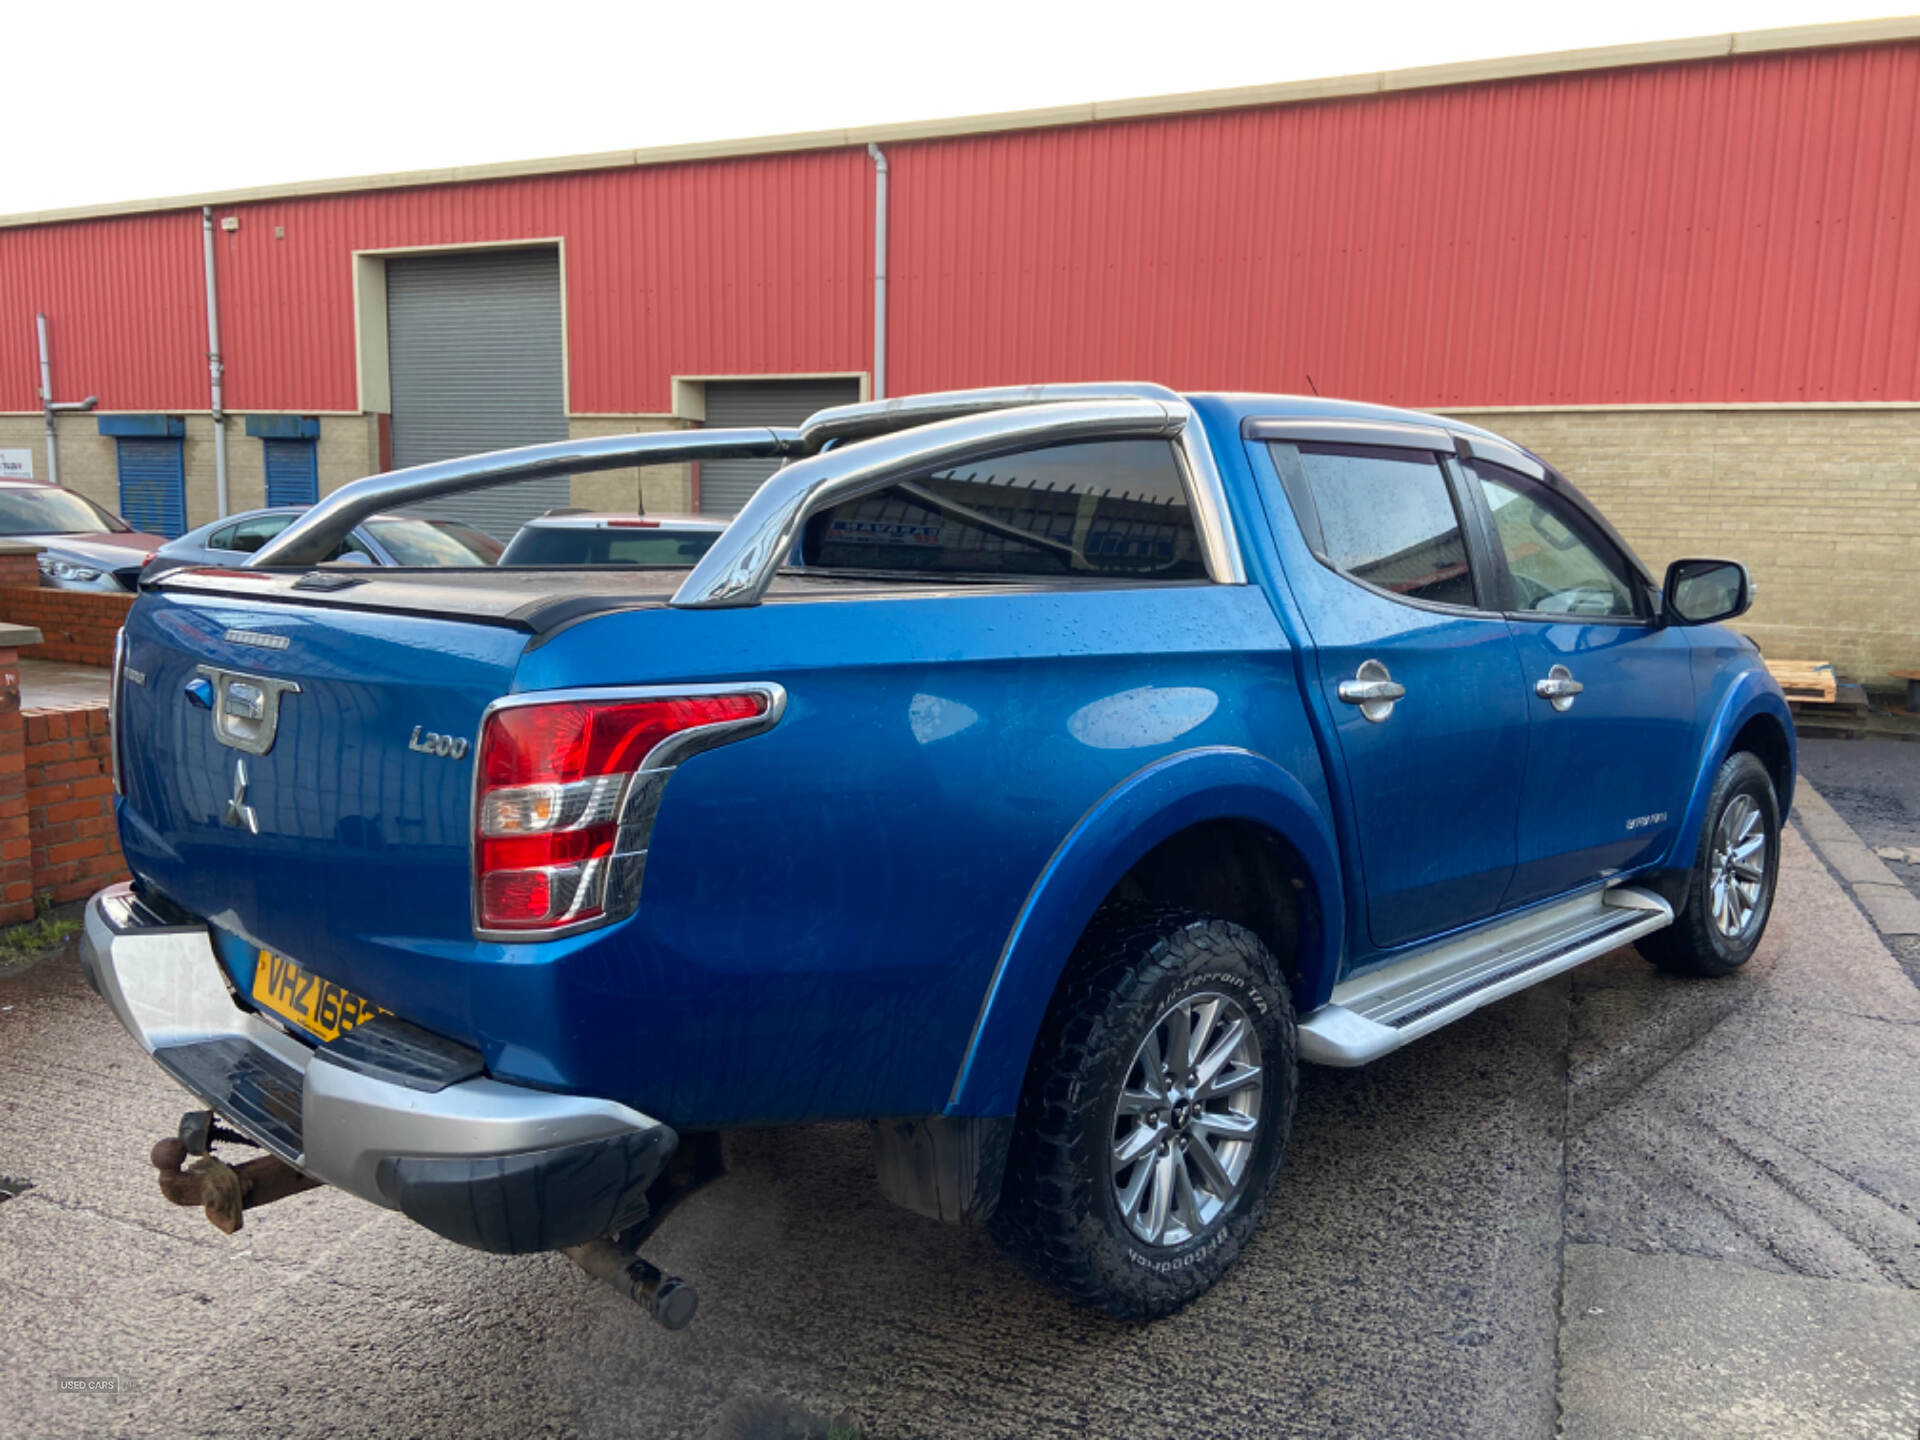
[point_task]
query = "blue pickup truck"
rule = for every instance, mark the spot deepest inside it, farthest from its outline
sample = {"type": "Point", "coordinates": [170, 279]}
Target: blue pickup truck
{"type": "Point", "coordinates": [1040, 775]}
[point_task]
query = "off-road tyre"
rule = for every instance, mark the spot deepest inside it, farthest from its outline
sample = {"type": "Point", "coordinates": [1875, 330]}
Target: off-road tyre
{"type": "Point", "coordinates": [1694, 944]}
{"type": "Point", "coordinates": [1059, 1215]}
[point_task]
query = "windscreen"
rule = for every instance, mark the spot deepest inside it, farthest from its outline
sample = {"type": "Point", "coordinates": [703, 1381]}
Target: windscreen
{"type": "Point", "coordinates": [52, 511]}
{"type": "Point", "coordinates": [1114, 508]}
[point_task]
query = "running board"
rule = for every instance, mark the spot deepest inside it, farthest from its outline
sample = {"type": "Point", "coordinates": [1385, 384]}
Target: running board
{"type": "Point", "coordinates": [1380, 1011]}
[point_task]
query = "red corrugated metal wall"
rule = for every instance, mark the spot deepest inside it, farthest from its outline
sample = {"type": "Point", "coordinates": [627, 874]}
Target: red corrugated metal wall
{"type": "Point", "coordinates": [1721, 231]}
{"type": "Point", "coordinates": [748, 266]}
{"type": "Point", "coordinates": [125, 303]}
{"type": "Point", "coordinates": [1739, 230]}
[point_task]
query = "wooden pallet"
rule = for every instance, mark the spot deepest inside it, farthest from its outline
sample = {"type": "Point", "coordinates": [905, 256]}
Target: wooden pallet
{"type": "Point", "coordinates": [1806, 680]}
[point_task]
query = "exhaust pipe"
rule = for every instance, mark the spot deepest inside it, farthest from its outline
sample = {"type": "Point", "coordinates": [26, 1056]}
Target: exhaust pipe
{"type": "Point", "coordinates": [667, 1298]}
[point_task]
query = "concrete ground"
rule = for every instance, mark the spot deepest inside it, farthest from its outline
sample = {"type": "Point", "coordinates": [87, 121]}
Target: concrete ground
{"type": "Point", "coordinates": [54, 682]}
{"type": "Point", "coordinates": [1873, 793]}
{"type": "Point", "coordinates": [1619, 1204]}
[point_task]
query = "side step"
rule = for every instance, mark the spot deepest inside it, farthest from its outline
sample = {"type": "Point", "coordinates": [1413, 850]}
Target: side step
{"type": "Point", "coordinates": [1372, 1014]}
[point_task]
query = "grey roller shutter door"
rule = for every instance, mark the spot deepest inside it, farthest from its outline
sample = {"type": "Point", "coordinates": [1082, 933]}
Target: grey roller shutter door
{"type": "Point", "coordinates": [726, 485]}
{"type": "Point", "coordinates": [475, 347]}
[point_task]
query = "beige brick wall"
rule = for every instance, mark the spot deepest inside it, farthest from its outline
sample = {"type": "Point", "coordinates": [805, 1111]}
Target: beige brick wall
{"type": "Point", "coordinates": [1823, 506]}
{"type": "Point", "coordinates": [349, 449]}
{"type": "Point", "coordinates": [661, 489]}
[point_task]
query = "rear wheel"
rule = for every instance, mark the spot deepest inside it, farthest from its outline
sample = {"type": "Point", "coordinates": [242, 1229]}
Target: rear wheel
{"type": "Point", "coordinates": [1155, 1114]}
{"type": "Point", "coordinates": [1730, 892]}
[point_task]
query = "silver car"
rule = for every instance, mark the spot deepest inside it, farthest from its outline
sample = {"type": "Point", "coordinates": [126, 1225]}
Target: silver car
{"type": "Point", "coordinates": [401, 540]}
{"type": "Point", "coordinates": [83, 546]}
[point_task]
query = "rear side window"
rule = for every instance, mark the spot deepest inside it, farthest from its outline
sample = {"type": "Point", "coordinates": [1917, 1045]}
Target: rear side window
{"type": "Point", "coordinates": [1104, 508]}
{"type": "Point", "coordinates": [1383, 516]}
{"type": "Point", "coordinates": [249, 535]}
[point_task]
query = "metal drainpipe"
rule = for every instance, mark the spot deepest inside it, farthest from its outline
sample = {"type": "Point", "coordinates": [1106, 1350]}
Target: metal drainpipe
{"type": "Point", "coordinates": [50, 407]}
{"type": "Point", "coordinates": [215, 369]}
{"type": "Point", "coordinates": [879, 271]}
{"type": "Point", "coordinates": [46, 404]}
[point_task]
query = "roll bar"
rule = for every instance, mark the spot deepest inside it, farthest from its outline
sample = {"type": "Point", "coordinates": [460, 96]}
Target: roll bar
{"type": "Point", "coordinates": [316, 534]}
{"type": "Point", "coordinates": [873, 445]}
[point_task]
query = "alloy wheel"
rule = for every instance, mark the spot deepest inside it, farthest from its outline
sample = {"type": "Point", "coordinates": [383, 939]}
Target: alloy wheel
{"type": "Point", "coordinates": [1187, 1119]}
{"type": "Point", "coordinates": [1737, 867]}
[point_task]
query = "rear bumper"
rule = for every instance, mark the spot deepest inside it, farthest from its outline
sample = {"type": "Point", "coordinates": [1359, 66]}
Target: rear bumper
{"type": "Point", "coordinates": [496, 1166]}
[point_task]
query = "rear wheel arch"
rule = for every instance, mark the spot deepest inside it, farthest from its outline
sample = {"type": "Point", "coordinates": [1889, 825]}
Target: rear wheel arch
{"type": "Point", "coordinates": [1162, 825]}
{"type": "Point", "coordinates": [1232, 869]}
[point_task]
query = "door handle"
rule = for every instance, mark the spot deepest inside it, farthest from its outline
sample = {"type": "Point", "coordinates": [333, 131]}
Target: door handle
{"type": "Point", "coordinates": [1559, 688]}
{"type": "Point", "coordinates": [1373, 690]}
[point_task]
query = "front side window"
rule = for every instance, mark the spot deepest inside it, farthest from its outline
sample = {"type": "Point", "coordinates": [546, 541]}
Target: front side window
{"type": "Point", "coordinates": [1556, 563]}
{"type": "Point", "coordinates": [1382, 515]}
{"type": "Point", "coordinates": [1105, 508]}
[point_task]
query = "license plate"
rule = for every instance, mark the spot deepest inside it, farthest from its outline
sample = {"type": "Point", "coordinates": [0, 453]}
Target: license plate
{"type": "Point", "coordinates": [317, 1006]}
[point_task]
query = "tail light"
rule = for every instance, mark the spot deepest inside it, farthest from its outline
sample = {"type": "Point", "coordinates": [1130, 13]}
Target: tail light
{"type": "Point", "coordinates": [566, 791]}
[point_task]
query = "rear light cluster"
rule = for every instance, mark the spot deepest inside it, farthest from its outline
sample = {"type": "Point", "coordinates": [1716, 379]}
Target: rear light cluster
{"type": "Point", "coordinates": [566, 795]}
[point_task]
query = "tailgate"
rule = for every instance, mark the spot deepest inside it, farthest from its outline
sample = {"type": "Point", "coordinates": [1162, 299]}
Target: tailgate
{"type": "Point", "coordinates": [327, 825]}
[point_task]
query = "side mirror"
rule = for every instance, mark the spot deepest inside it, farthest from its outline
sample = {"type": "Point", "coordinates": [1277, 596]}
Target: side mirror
{"type": "Point", "coordinates": [1701, 592]}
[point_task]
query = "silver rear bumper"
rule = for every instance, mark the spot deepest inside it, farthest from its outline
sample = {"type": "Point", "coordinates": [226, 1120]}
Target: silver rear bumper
{"type": "Point", "coordinates": [351, 1129]}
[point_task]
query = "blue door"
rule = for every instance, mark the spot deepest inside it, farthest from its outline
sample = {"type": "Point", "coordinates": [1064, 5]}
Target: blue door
{"type": "Point", "coordinates": [1376, 554]}
{"type": "Point", "coordinates": [1609, 692]}
{"type": "Point", "coordinates": [293, 473]}
{"type": "Point", "coordinates": [153, 484]}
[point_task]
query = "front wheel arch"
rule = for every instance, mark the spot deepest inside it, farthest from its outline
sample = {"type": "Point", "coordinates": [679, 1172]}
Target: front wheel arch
{"type": "Point", "coordinates": [1752, 715]}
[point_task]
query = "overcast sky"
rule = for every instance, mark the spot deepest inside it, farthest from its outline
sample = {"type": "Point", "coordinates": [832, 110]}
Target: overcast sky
{"type": "Point", "coordinates": [117, 101]}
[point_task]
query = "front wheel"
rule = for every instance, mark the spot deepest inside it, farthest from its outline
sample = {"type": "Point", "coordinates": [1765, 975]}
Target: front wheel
{"type": "Point", "coordinates": [1154, 1116]}
{"type": "Point", "coordinates": [1730, 891]}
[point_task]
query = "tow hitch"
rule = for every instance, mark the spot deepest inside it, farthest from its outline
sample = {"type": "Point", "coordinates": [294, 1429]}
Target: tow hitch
{"type": "Point", "coordinates": [224, 1191]}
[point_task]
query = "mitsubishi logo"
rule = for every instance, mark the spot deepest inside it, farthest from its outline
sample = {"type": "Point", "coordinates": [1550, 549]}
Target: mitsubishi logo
{"type": "Point", "coordinates": [240, 814]}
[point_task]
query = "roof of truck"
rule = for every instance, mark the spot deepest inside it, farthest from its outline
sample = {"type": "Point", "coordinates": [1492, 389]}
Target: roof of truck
{"type": "Point", "coordinates": [1249, 405]}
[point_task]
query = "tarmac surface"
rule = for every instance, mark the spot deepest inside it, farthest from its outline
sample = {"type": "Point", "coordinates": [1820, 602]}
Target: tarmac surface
{"type": "Point", "coordinates": [1617, 1204]}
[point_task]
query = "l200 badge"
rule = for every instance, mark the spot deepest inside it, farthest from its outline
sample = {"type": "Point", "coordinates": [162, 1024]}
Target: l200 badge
{"type": "Point", "coordinates": [447, 747]}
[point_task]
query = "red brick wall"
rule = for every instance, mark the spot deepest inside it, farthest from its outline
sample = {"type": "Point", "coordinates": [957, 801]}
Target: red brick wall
{"type": "Point", "coordinates": [69, 801]}
{"type": "Point", "coordinates": [78, 625]}
{"type": "Point", "coordinates": [16, 850]}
